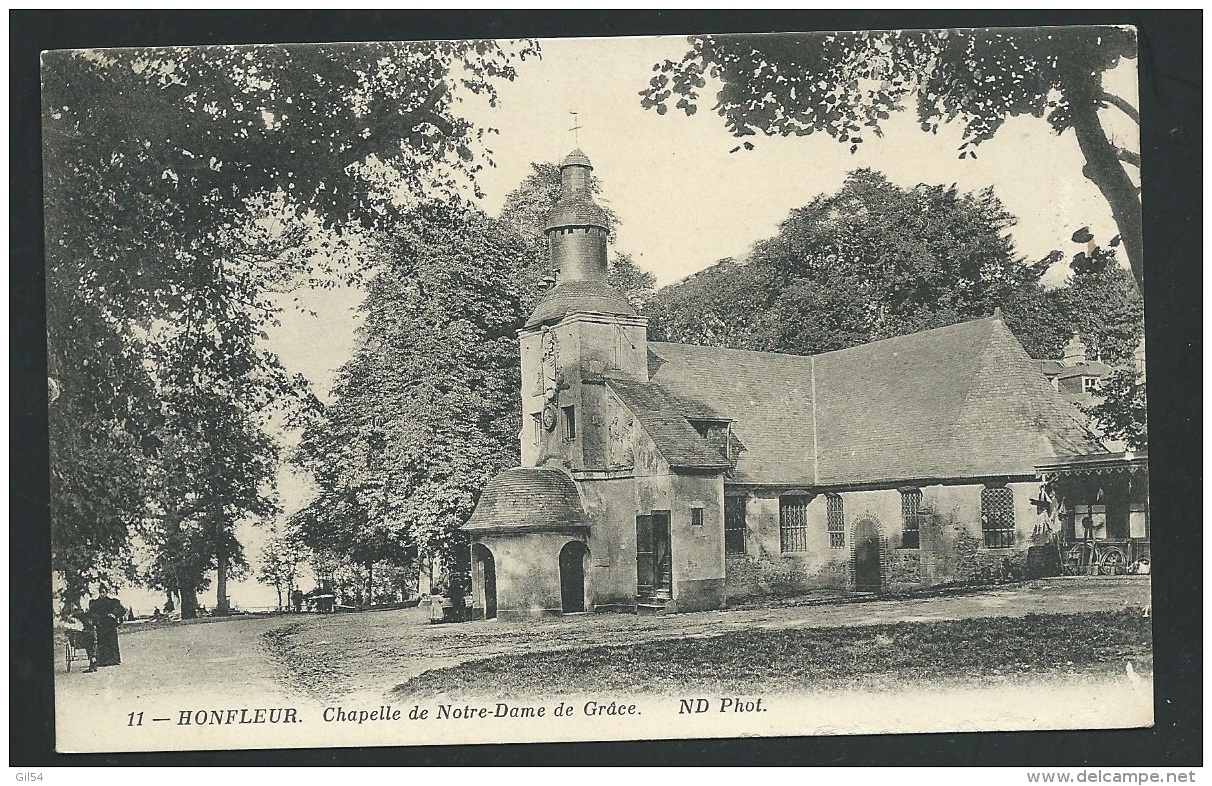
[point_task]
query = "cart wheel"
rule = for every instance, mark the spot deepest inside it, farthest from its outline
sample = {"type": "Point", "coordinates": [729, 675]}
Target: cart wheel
{"type": "Point", "coordinates": [1073, 561]}
{"type": "Point", "coordinates": [1113, 563]}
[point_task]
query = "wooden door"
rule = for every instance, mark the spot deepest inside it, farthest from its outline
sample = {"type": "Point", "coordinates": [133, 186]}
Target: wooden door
{"type": "Point", "coordinates": [662, 556]}
{"type": "Point", "coordinates": [866, 556]}
{"type": "Point", "coordinates": [645, 573]}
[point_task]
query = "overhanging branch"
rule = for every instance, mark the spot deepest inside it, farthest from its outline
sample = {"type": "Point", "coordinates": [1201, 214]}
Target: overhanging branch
{"type": "Point", "coordinates": [1128, 156]}
{"type": "Point", "coordinates": [1122, 105]}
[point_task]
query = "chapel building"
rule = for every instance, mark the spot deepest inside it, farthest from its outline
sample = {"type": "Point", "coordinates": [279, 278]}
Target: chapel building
{"type": "Point", "coordinates": [671, 477]}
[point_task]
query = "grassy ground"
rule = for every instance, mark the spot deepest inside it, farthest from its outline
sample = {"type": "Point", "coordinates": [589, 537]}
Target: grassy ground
{"type": "Point", "coordinates": [984, 650]}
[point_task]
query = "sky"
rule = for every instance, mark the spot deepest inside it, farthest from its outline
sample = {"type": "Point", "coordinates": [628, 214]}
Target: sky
{"type": "Point", "coordinates": [684, 201]}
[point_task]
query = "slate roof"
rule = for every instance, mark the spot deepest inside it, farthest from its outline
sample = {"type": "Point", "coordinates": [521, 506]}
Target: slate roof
{"type": "Point", "coordinates": [666, 419]}
{"type": "Point", "coordinates": [1089, 368]}
{"type": "Point", "coordinates": [573, 211]}
{"type": "Point", "coordinates": [576, 158]}
{"type": "Point", "coordinates": [567, 297]}
{"type": "Point", "coordinates": [955, 402]}
{"type": "Point", "coordinates": [767, 395]}
{"type": "Point", "coordinates": [528, 499]}
{"type": "Point", "coordinates": [1051, 368]}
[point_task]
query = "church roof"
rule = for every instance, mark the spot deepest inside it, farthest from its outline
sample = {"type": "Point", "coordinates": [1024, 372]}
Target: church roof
{"type": "Point", "coordinates": [591, 296]}
{"type": "Point", "coordinates": [1085, 368]}
{"type": "Point", "coordinates": [576, 158]}
{"type": "Point", "coordinates": [955, 402]}
{"type": "Point", "coordinates": [666, 419]}
{"type": "Point", "coordinates": [575, 211]}
{"type": "Point", "coordinates": [528, 499]}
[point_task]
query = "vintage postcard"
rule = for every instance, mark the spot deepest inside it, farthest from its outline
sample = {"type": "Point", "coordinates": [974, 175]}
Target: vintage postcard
{"type": "Point", "coordinates": [597, 389]}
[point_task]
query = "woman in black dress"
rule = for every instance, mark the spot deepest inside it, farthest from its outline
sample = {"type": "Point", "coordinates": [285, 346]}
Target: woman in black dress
{"type": "Point", "coordinates": [107, 614]}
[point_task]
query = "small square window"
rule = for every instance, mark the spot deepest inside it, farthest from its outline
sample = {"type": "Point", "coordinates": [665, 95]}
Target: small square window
{"type": "Point", "coordinates": [1089, 384]}
{"type": "Point", "coordinates": [696, 517]}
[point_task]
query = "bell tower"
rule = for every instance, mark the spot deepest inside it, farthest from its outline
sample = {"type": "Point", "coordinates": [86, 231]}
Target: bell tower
{"type": "Point", "coordinates": [581, 332]}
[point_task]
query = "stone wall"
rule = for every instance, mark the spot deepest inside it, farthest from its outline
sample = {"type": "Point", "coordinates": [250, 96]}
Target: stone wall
{"type": "Point", "coordinates": [527, 568]}
{"type": "Point", "coordinates": [698, 549]}
{"type": "Point", "coordinates": [610, 504]}
{"type": "Point", "coordinates": [951, 544]}
{"type": "Point", "coordinates": [753, 578]}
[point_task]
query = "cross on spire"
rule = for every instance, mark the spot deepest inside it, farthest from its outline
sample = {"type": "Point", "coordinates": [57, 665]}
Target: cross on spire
{"type": "Point", "coordinates": [575, 127]}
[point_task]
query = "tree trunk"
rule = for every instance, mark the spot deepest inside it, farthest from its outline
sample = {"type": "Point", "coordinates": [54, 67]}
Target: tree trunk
{"type": "Point", "coordinates": [221, 604]}
{"type": "Point", "coordinates": [1104, 169]}
{"type": "Point", "coordinates": [424, 575]}
{"type": "Point", "coordinates": [71, 600]}
{"type": "Point", "coordinates": [189, 602]}
{"type": "Point", "coordinates": [370, 583]}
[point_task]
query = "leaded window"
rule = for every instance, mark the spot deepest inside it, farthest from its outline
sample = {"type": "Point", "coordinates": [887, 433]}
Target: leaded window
{"type": "Point", "coordinates": [835, 521]}
{"type": "Point", "coordinates": [793, 523]}
{"type": "Point", "coordinates": [997, 517]}
{"type": "Point", "coordinates": [911, 505]}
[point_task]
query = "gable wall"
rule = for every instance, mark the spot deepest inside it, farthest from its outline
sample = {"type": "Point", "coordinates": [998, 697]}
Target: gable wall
{"type": "Point", "coordinates": [610, 506]}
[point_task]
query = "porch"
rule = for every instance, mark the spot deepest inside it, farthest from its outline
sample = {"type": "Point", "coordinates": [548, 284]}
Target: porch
{"type": "Point", "coordinates": [1098, 508]}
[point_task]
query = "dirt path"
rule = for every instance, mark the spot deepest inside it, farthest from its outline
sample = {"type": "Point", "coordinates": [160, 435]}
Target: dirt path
{"type": "Point", "coordinates": [166, 670]}
{"type": "Point", "coordinates": [310, 662]}
{"type": "Point", "coordinates": [369, 654]}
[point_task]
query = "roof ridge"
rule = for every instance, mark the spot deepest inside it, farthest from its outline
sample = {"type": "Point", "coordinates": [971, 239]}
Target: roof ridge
{"type": "Point", "coordinates": [927, 331]}
{"type": "Point", "coordinates": [729, 349]}
{"type": "Point", "coordinates": [876, 343]}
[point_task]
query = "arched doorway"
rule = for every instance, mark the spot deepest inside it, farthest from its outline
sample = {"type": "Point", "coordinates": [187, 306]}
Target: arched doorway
{"type": "Point", "coordinates": [573, 558]}
{"type": "Point", "coordinates": [868, 570]}
{"type": "Point", "coordinates": [484, 578]}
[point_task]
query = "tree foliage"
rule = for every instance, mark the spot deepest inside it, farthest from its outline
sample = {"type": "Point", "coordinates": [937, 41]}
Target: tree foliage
{"type": "Point", "coordinates": [426, 410]}
{"type": "Point", "coordinates": [872, 261]}
{"type": "Point", "coordinates": [280, 561]}
{"type": "Point", "coordinates": [1122, 414]}
{"type": "Point", "coordinates": [847, 85]}
{"type": "Point", "coordinates": [183, 187]}
{"type": "Point", "coordinates": [1101, 303]}
{"type": "Point", "coordinates": [632, 281]}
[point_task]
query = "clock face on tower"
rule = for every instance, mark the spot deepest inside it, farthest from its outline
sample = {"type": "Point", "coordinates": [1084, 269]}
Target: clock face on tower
{"type": "Point", "coordinates": [549, 416]}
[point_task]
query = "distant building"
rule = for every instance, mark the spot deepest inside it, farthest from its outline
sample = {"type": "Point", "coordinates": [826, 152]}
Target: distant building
{"type": "Point", "coordinates": [671, 477]}
{"type": "Point", "coordinates": [1080, 380]}
{"type": "Point", "coordinates": [1075, 376]}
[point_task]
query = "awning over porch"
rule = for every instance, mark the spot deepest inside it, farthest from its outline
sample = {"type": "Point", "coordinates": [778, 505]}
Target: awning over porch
{"type": "Point", "coordinates": [1101, 497]}
{"type": "Point", "coordinates": [1128, 461]}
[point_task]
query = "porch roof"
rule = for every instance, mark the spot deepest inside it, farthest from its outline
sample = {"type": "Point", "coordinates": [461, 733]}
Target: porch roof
{"type": "Point", "coordinates": [1093, 464]}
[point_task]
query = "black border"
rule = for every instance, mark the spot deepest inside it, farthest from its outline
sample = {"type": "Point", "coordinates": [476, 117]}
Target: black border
{"type": "Point", "coordinates": [1171, 105]}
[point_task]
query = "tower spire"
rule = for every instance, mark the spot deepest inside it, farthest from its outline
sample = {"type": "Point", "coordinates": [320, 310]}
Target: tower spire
{"type": "Point", "coordinates": [577, 227]}
{"type": "Point", "coordinates": [576, 140]}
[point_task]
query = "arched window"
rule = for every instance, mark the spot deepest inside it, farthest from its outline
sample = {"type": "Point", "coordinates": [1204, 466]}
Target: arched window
{"type": "Point", "coordinates": [835, 521]}
{"type": "Point", "coordinates": [997, 517]}
{"type": "Point", "coordinates": [911, 505]}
